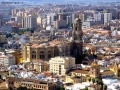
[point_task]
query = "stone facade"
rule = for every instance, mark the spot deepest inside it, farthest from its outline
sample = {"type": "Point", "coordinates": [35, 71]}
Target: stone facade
{"type": "Point", "coordinates": [57, 47]}
{"type": "Point", "coordinates": [45, 51]}
{"type": "Point", "coordinates": [30, 84]}
{"type": "Point", "coordinates": [77, 44]}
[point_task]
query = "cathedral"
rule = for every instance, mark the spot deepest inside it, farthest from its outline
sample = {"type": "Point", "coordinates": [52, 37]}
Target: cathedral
{"type": "Point", "coordinates": [57, 47]}
{"type": "Point", "coordinates": [77, 44]}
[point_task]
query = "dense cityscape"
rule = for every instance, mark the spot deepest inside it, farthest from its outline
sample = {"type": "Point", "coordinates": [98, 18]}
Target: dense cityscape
{"type": "Point", "coordinates": [60, 45]}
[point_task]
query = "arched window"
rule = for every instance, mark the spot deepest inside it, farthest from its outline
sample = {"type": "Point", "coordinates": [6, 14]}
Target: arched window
{"type": "Point", "coordinates": [76, 28]}
{"type": "Point", "coordinates": [42, 54]}
{"type": "Point", "coordinates": [49, 51]}
{"type": "Point", "coordinates": [54, 53]}
{"type": "Point", "coordinates": [75, 38]}
{"type": "Point", "coordinates": [49, 54]}
{"type": "Point", "coordinates": [33, 54]}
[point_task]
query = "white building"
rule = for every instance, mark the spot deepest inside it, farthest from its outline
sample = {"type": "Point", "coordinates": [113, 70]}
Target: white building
{"type": "Point", "coordinates": [107, 17]}
{"type": "Point", "coordinates": [50, 19]}
{"type": "Point", "coordinates": [7, 60]}
{"type": "Point", "coordinates": [60, 65]}
{"type": "Point", "coordinates": [29, 22]}
{"type": "Point", "coordinates": [16, 18]}
{"type": "Point", "coordinates": [78, 86]}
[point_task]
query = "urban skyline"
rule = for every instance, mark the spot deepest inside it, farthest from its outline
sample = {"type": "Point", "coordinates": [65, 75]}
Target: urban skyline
{"type": "Point", "coordinates": [59, 45]}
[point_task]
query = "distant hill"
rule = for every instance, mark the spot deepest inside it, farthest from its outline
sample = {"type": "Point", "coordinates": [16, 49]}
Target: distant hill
{"type": "Point", "coordinates": [73, 0]}
{"type": "Point", "coordinates": [60, 0]}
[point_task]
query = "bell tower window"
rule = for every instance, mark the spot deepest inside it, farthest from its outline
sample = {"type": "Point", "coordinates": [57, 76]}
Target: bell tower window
{"type": "Point", "coordinates": [76, 28]}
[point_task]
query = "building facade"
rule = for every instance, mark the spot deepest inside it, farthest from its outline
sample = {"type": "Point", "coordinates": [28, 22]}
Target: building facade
{"type": "Point", "coordinates": [57, 47]}
{"type": "Point", "coordinates": [45, 51]}
{"type": "Point", "coordinates": [2, 38]}
{"type": "Point", "coordinates": [29, 22]}
{"type": "Point", "coordinates": [7, 60]}
{"type": "Point", "coordinates": [60, 65]}
{"type": "Point", "coordinates": [30, 84]}
{"type": "Point", "coordinates": [107, 17]}
{"type": "Point", "coordinates": [76, 46]}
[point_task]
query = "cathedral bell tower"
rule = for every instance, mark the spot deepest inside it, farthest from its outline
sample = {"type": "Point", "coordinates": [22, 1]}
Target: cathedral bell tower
{"type": "Point", "coordinates": [77, 38]}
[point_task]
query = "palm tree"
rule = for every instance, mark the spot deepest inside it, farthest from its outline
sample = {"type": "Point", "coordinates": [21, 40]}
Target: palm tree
{"type": "Point", "coordinates": [62, 88]}
{"type": "Point", "coordinates": [86, 88]}
{"type": "Point", "coordinates": [89, 79]}
{"type": "Point", "coordinates": [104, 87]}
{"type": "Point", "coordinates": [101, 83]}
{"type": "Point", "coordinates": [93, 80]}
{"type": "Point", "coordinates": [97, 80]}
{"type": "Point", "coordinates": [101, 87]}
{"type": "Point", "coordinates": [10, 88]}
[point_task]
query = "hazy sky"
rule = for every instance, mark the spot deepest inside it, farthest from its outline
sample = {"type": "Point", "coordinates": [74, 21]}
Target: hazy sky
{"type": "Point", "coordinates": [61, 0]}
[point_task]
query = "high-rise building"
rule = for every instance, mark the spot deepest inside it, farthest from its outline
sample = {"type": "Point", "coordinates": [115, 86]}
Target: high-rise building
{"type": "Point", "coordinates": [98, 16]}
{"type": "Point", "coordinates": [15, 11]}
{"type": "Point", "coordinates": [118, 15]}
{"type": "Point", "coordinates": [60, 65]}
{"type": "Point", "coordinates": [60, 24]}
{"type": "Point", "coordinates": [39, 19]}
{"type": "Point", "coordinates": [29, 22]}
{"type": "Point", "coordinates": [61, 21]}
{"type": "Point", "coordinates": [0, 22]}
{"type": "Point", "coordinates": [51, 19]}
{"type": "Point", "coordinates": [107, 17]}
{"type": "Point", "coordinates": [2, 38]}
{"type": "Point", "coordinates": [73, 16]}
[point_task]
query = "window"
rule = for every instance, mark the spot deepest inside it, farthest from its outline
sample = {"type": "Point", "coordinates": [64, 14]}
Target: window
{"type": "Point", "coordinates": [33, 54]}
{"type": "Point", "coordinates": [49, 54]}
{"type": "Point", "coordinates": [42, 55]}
{"type": "Point", "coordinates": [76, 28]}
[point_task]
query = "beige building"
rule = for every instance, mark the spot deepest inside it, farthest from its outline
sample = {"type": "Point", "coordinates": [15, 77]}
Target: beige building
{"type": "Point", "coordinates": [60, 65]}
{"type": "Point", "coordinates": [14, 12]}
{"type": "Point", "coordinates": [2, 38]}
{"type": "Point", "coordinates": [45, 51]}
{"type": "Point", "coordinates": [39, 20]}
{"type": "Point", "coordinates": [30, 84]}
{"type": "Point", "coordinates": [58, 47]}
{"type": "Point", "coordinates": [60, 23]}
{"type": "Point", "coordinates": [37, 65]}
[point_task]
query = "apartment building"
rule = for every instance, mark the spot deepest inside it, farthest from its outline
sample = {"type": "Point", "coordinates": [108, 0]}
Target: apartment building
{"type": "Point", "coordinates": [7, 60]}
{"type": "Point", "coordinates": [29, 22]}
{"type": "Point", "coordinates": [2, 38]}
{"type": "Point", "coordinates": [60, 65]}
{"type": "Point", "coordinates": [30, 84]}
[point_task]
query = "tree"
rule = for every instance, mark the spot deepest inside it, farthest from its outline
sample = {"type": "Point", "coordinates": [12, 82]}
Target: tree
{"type": "Point", "coordinates": [62, 88]}
{"type": "Point", "coordinates": [97, 80]}
{"type": "Point", "coordinates": [89, 79]}
{"type": "Point", "coordinates": [100, 77]}
{"type": "Point", "coordinates": [101, 83]}
{"type": "Point", "coordinates": [104, 87]}
{"type": "Point", "coordinates": [10, 88]}
{"type": "Point", "coordinates": [93, 80]}
{"type": "Point", "coordinates": [86, 88]}
{"type": "Point", "coordinates": [101, 87]}
{"type": "Point", "coordinates": [8, 35]}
